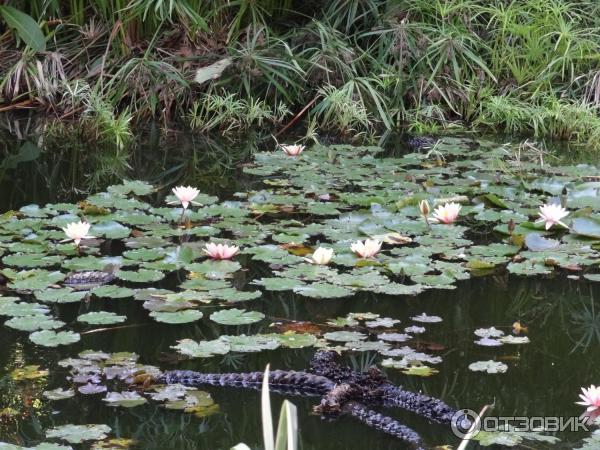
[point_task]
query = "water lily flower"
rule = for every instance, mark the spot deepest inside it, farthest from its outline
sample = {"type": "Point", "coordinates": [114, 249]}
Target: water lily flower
{"type": "Point", "coordinates": [76, 231]}
{"type": "Point", "coordinates": [590, 397]}
{"type": "Point", "coordinates": [424, 208]}
{"type": "Point", "coordinates": [321, 256]}
{"type": "Point", "coordinates": [447, 213]}
{"type": "Point", "coordinates": [552, 214]}
{"type": "Point", "coordinates": [185, 195]}
{"type": "Point", "coordinates": [221, 251]}
{"type": "Point", "coordinates": [366, 249]}
{"type": "Point", "coordinates": [292, 150]}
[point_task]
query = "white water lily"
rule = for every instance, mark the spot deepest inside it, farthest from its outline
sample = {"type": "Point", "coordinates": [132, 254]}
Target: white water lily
{"type": "Point", "coordinates": [185, 195]}
{"type": "Point", "coordinates": [447, 213]}
{"type": "Point", "coordinates": [293, 149]}
{"type": "Point", "coordinates": [552, 214]}
{"type": "Point", "coordinates": [366, 249]}
{"type": "Point", "coordinates": [77, 231]}
{"type": "Point", "coordinates": [321, 256]}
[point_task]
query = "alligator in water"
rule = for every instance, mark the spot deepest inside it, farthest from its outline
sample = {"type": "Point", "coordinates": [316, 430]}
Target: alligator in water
{"type": "Point", "coordinates": [89, 279]}
{"type": "Point", "coordinates": [342, 391]}
{"type": "Point", "coordinates": [421, 142]}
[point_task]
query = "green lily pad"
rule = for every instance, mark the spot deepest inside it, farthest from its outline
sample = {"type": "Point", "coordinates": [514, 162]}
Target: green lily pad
{"type": "Point", "coordinates": [35, 280]}
{"type": "Point", "coordinates": [61, 295]}
{"type": "Point", "coordinates": [202, 349]}
{"type": "Point", "coordinates": [140, 276]}
{"type": "Point", "coordinates": [111, 291]}
{"type": "Point", "coordinates": [110, 230]}
{"type": "Point", "coordinates": [30, 260]}
{"type": "Point", "coordinates": [255, 343]}
{"type": "Point", "coordinates": [126, 399]}
{"type": "Point", "coordinates": [183, 316]}
{"type": "Point", "coordinates": [236, 316]}
{"type": "Point", "coordinates": [48, 338]}
{"type": "Point", "coordinates": [323, 290]}
{"type": "Point", "coordinates": [344, 336]}
{"type": "Point", "coordinates": [59, 394]}
{"type": "Point", "coordinates": [101, 318]}
{"type": "Point", "coordinates": [131, 187]}
{"type": "Point", "coordinates": [488, 366]}
{"type": "Point", "coordinates": [586, 226]}
{"type": "Point", "coordinates": [76, 434]}
{"type": "Point", "coordinates": [33, 323]}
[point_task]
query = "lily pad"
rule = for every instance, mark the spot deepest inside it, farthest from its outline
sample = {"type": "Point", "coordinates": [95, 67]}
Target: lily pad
{"type": "Point", "coordinates": [76, 434]}
{"type": "Point", "coordinates": [344, 336]}
{"type": "Point", "coordinates": [101, 318]}
{"type": "Point", "coordinates": [488, 366]}
{"type": "Point", "coordinates": [59, 394]}
{"type": "Point", "coordinates": [48, 338]}
{"type": "Point", "coordinates": [202, 349]}
{"type": "Point", "coordinates": [236, 316]}
{"type": "Point", "coordinates": [175, 317]}
{"type": "Point", "coordinates": [126, 399]}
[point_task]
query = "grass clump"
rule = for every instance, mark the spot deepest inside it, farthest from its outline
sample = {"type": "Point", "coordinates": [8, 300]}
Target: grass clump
{"type": "Point", "coordinates": [530, 66]}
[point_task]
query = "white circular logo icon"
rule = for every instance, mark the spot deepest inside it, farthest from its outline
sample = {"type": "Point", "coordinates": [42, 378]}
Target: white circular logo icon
{"type": "Point", "coordinates": [463, 420]}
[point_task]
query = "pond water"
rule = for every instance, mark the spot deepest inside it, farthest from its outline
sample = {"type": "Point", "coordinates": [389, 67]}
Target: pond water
{"type": "Point", "coordinates": [457, 272]}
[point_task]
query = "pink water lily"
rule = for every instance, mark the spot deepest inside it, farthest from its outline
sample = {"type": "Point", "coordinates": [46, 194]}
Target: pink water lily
{"type": "Point", "coordinates": [366, 249]}
{"type": "Point", "coordinates": [292, 150]}
{"type": "Point", "coordinates": [221, 251]}
{"type": "Point", "coordinates": [77, 231]}
{"type": "Point", "coordinates": [552, 214]}
{"type": "Point", "coordinates": [447, 213]}
{"type": "Point", "coordinates": [590, 397]}
{"type": "Point", "coordinates": [185, 195]}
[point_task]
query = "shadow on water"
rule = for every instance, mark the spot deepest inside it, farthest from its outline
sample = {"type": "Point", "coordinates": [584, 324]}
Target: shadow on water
{"type": "Point", "coordinates": [563, 317]}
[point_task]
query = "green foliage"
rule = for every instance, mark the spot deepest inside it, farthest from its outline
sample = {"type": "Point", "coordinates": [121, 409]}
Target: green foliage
{"type": "Point", "coordinates": [349, 65]}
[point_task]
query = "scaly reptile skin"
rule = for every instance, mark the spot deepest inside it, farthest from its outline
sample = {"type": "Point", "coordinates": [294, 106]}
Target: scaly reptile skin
{"type": "Point", "coordinates": [342, 391]}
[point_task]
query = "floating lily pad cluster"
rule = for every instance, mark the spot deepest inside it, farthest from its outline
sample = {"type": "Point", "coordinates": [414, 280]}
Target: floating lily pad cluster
{"type": "Point", "coordinates": [330, 196]}
{"type": "Point", "coordinates": [110, 375]}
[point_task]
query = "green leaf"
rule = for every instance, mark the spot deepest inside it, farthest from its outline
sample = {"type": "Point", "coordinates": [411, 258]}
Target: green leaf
{"type": "Point", "coordinates": [236, 316]}
{"type": "Point", "coordinates": [126, 399]}
{"type": "Point", "coordinates": [202, 349]}
{"type": "Point", "coordinates": [112, 292]}
{"type": "Point", "coordinates": [101, 318]}
{"type": "Point", "coordinates": [256, 343]}
{"type": "Point", "coordinates": [59, 394]}
{"type": "Point", "coordinates": [48, 338]}
{"type": "Point", "coordinates": [76, 434]}
{"type": "Point", "coordinates": [586, 226]}
{"type": "Point", "coordinates": [183, 316]}
{"type": "Point", "coordinates": [343, 336]}
{"type": "Point", "coordinates": [27, 28]}
{"type": "Point", "coordinates": [33, 323]}
{"type": "Point", "coordinates": [488, 366]}
{"type": "Point", "coordinates": [140, 276]}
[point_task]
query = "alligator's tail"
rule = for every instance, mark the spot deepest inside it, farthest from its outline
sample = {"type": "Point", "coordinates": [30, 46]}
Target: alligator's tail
{"type": "Point", "coordinates": [432, 408]}
{"type": "Point", "coordinates": [383, 423]}
{"type": "Point", "coordinates": [281, 381]}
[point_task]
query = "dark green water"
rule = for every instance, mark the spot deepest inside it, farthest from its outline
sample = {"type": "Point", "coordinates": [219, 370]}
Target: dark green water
{"type": "Point", "coordinates": [543, 378]}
